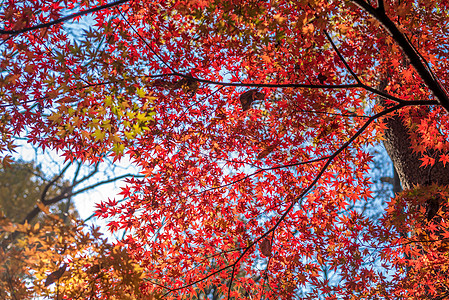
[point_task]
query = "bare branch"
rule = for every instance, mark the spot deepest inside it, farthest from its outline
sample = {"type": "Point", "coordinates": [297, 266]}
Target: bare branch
{"type": "Point", "coordinates": [105, 182]}
{"type": "Point", "coordinates": [88, 86]}
{"type": "Point", "coordinates": [230, 282]}
{"type": "Point", "coordinates": [275, 85]}
{"type": "Point", "coordinates": [69, 199]}
{"type": "Point", "coordinates": [88, 175]}
{"type": "Point", "coordinates": [49, 184]}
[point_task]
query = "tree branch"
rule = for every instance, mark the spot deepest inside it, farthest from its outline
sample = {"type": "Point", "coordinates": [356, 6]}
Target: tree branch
{"type": "Point", "coordinates": [343, 59]}
{"type": "Point", "coordinates": [68, 192]}
{"type": "Point", "coordinates": [380, 6]}
{"type": "Point", "coordinates": [409, 52]}
{"type": "Point", "coordinates": [49, 184]}
{"type": "Point", "coordinates": [105, 182]}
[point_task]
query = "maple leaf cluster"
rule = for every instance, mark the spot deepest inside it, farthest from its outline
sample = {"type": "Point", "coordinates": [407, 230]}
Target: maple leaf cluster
{"type": "Point", "coordinates": [251, 122]}
{"type": "Point", "coordinates": [78, 260]}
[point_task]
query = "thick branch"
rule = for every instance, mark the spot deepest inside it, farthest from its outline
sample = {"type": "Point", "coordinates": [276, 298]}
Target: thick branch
{"type": "Point", "coordinates": [36, 210]}
{"type": "Point", "coordinates": [409, 52]}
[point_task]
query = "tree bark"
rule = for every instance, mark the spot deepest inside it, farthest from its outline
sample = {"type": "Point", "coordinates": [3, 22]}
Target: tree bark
{"type": "Point", "coordinates": [407, 164]}
{"type": "Point", "coordinates": [407, 169]}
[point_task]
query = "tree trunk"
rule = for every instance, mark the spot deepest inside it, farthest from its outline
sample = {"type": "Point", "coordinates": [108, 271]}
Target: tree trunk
{"type": "Point", "coordinates": [407, 164]}
{"type": "Point", "coordinates": [408, 170]}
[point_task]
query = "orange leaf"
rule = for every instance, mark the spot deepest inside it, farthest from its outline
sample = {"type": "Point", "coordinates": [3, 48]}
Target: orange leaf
{"type": "Point", "coordinates": [444, 158]}
{"type": "Point", "coordinates": [427, 161]}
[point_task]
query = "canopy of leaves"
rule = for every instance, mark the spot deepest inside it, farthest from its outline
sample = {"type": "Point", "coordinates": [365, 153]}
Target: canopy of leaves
{"type": "Point", "coordinates": [251, 121]}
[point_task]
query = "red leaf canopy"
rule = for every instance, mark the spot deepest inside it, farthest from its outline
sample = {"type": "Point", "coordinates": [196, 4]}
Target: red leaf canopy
{"type": "Point", "coordinates": [244, 198]}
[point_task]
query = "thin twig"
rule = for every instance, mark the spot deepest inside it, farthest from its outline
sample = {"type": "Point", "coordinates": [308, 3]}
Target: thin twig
{"type": "Point", "coordinates": [147, 44]}
{"type": "Point", "coordinates": [343, 60]}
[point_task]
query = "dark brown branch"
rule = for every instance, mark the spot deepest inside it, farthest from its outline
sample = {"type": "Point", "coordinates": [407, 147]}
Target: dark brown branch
{"type": "Point", "coordinates": [199, 280]}
{"type": "Point", "coordinates": [381, 6]}
{"type": "Point", "coordinates": [343, 60]}
{"type": "Point", "coordinates": [10, 283]}
{"type": "Point", "coordinates": [323, 169]}
{"type": "Point", "coordinates": [105, 182]}
{"type": "Point", "coordinates": [444, 296]}
{"type": "Point", "coordinates": [69, 199]}
{"type": "Point", "coordinates": [88, 86]}
{"type": "Point", "coordinates": [264, 170]}
{"type": "Point", "coordinates": [232, 279]}
{"type": "Point", "coordinates": [409, 52]}
{"type": "Point", "coordinates": [261, 85]}
{"type": "Point", "coordinates": [63, 19]}
{"type": "Point", "coordinates": [49, 184]}
{"type": "Point", "coordinates": [92, 173]}
{"type": "Point", "coordinates": [68, 192]}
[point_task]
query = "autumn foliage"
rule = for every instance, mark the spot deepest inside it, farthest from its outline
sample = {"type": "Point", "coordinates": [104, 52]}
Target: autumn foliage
{"type": "Point", "coordinates": [80, 260]}
{"type": "Point", "coordinates": [252, 122]}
